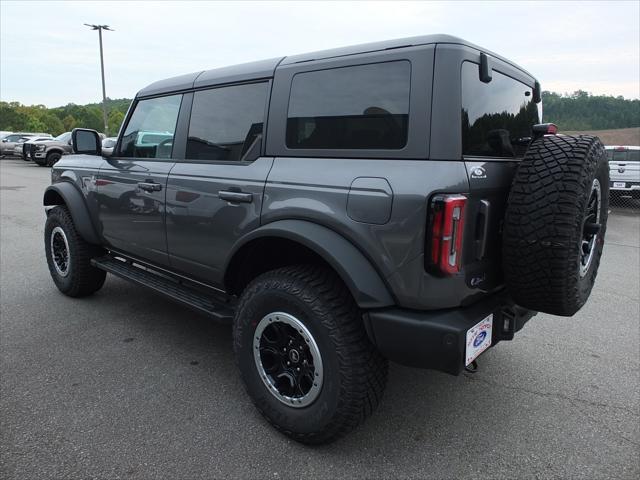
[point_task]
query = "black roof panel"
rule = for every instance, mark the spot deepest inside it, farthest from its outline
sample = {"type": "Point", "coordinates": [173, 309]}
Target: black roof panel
{"type": "Point", "coordinates": [181, 82]}
{"type": "Point", "coordinates": [266, 68]}
{"type": "Point", "coordinates": [373, 47]}
{"type": "Point", "coordinates": [237, 73]}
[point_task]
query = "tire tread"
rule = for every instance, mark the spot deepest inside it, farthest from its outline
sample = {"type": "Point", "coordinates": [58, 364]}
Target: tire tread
{"type": "Point", "coordinates": [363, 370]}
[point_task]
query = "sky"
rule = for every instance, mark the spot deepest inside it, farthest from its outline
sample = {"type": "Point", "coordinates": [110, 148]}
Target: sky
{"type": "Point", "coordinates": [47, 55]}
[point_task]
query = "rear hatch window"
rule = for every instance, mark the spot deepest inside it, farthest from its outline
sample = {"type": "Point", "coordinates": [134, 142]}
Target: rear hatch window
{"type": "Point", "coordinates": [497, 116]}
{"type": "Point", "coordinates": [625, 155]}
{"type": "Point", "coordinates": [620, 155]}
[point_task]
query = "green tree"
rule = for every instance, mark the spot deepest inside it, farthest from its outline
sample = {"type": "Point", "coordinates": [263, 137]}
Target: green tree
{"type": "Point", "coordinates": [583, 111]}
{"type": "Point", "coordinates": [69, 123]}
{"type": "Point", "coordinates": [52, 124]}
{"type": "Point", "coordinates": [115, 120]}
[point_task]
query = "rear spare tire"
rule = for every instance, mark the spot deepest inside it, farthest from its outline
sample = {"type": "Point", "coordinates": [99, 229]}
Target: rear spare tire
{"type": "Point", "coordinates": [555, 223]}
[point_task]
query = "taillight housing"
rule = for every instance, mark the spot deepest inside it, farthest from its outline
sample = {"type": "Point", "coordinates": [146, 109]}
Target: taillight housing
{"type": "Point", "coordinates": [446, 231]}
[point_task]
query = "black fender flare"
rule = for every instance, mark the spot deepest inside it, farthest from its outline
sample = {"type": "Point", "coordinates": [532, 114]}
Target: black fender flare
{"type": "Point", "coordinates": [356, 271]}
{"type": "Point", "coordinates": [65, 193]}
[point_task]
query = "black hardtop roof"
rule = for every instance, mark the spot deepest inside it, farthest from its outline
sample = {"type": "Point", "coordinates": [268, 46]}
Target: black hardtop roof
{"type": "Point", "coordinates": [266, 68]}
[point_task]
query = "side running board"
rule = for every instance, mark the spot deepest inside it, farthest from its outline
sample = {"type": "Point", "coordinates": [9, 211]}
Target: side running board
{"type": "Point", "coordinates": [208, 303]}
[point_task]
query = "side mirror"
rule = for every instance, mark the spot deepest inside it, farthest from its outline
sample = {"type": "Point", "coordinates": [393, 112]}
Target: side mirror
{"type": "Point", "coordinates": [4, 140]}
{"type": "Point", "coordinates": [86, 141]}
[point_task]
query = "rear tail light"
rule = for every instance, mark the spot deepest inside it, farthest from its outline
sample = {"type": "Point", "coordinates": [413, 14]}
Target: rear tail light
{"type": "Point", "coordinates": [542, 129]}
{"type": "Point", "coordinates": [446, 230]}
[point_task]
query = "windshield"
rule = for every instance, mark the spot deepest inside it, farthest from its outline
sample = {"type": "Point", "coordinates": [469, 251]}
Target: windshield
{"type": "Point", "coordinates": [65, 137]}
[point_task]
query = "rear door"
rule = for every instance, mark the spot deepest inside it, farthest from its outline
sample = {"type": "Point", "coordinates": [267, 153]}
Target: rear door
{"type": "Point", "coordinates": [497, 117]}
{"type": "Point", "coordinates": [214, 194]}
{"type": "Point", "coordinates": [131, 185]}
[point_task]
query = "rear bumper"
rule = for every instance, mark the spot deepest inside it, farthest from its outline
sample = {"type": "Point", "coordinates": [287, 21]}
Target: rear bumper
{"type": "Point", "coordinates": [628, 185]}
{"type": "Point", "coordinates": [437, 339]}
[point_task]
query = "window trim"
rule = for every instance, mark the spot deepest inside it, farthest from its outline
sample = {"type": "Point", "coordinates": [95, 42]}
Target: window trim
{"type": "Point", "coordinates": [125, 125]}
{"type": "Point", "coordinates": [421, 59]}
{"type": "Point", "coordinates": [293, 77]}
{"type": "Point", "coordinates": [183, 159]}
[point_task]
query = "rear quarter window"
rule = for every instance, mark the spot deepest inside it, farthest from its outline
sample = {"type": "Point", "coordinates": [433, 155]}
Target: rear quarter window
{"type": "Point", "coordinates": [358, 107]}
{"type": "Point", "coordinates": [497, 116]}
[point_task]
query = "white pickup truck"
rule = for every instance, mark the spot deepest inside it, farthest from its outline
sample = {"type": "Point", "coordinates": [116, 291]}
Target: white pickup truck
{"type": "Point", "coordinates": [624, 171]}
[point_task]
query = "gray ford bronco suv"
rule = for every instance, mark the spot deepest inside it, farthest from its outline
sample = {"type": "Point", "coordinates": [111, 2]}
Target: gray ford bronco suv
{"type": "Point", "coordinates": [392, 201]}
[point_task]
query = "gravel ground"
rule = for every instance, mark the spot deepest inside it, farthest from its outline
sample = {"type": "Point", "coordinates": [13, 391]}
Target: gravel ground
{"type": "Point", "coordinates": [126, 384]}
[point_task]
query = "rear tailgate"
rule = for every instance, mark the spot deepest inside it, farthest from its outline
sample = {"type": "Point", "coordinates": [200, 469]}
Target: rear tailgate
{"type": "Point", "coordinates": [489, 183]}
{"type": "Point", "coordinates": [624, 169]}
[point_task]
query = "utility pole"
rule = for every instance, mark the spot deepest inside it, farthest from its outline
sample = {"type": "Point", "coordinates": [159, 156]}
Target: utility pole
{"type": "Point", "coordinates": [104, 92]}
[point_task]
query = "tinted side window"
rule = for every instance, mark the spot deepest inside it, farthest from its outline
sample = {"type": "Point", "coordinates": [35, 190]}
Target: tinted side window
{"type": "Point", "coordinates": [361, 107]}
{"type": "Point", "coordinates": [151, 128]}
{"type": "Point", "coordinates": [226, 123]}
{"type": "Point", "coordinates": [609, 154]}
{"type": "Point", "coordinates": [497, 116]}
{"type": "Point", "coordinates": [634, 156]}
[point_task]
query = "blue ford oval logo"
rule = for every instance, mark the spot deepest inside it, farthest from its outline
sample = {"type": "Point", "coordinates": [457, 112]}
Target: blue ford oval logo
{"type": "Point", "coordinates": [480, 338]}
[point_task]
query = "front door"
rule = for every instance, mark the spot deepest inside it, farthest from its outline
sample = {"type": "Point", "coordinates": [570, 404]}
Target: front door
{"type": "Point", "coordinates": [214, 195]}
{"type": "Point", "coordinates": [131, 185]}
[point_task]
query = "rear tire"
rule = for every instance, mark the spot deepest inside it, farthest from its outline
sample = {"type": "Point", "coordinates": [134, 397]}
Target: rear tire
{"type": "Point", "coordinates": [307, 304]}
{"type": "Point", "coordinates": [69, 256]}
{"type": "Point", "coordinates": [558, 199]}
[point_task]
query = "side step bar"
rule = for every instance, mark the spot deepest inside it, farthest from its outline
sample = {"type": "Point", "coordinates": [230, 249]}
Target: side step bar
{"type": "Point", "coordinates": [164, 284]}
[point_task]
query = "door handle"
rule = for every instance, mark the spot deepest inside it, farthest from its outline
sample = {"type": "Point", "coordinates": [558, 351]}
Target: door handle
{"type": "Point", "coordinates": [482, 229]}
{"type": "Point", "coordinates": [235, 197]}
{"type": "Point", "coordinates": [150, 186]}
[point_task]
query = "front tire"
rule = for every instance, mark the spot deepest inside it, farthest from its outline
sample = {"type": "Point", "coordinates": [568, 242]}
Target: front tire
{"type": "Point", "coordinates": [51, 159]}
{"type": "Point", "coordinates": [304, 355]}
{"type": "Point", "coordinates": [69, 256]}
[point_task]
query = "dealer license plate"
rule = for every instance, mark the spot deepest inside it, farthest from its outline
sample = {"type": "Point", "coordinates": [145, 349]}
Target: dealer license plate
{"type": "Point", "coordinates": [619, 185]}
{"type": "Point", "coordinates": [478, 339]}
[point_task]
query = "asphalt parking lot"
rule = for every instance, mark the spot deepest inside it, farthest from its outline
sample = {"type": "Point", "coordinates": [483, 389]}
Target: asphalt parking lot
{"type": "Point", "coordinates": [126, 384]}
